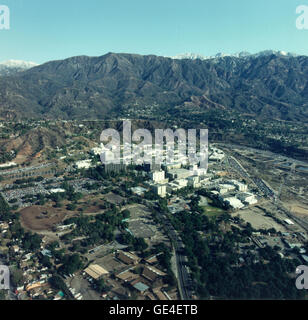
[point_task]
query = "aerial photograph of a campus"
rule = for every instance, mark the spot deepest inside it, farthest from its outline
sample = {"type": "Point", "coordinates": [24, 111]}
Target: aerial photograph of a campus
{"type": "Point", "coordinates": [153, 150]}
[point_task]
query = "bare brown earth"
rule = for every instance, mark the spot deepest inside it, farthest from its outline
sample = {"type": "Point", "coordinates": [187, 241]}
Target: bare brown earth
{"type": "Point", "coordinates": [43, 218]}
{"type": "Point", "coordinates": [38, 218]}
{"type": "Point", "coordinates": [299, 209]}
{"type": "Point", "coordinates": [93, 208]}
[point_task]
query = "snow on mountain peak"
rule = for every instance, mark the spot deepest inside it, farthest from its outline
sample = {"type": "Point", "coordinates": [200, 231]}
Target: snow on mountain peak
{"type": "Point", "coordinates": [242, 54]}
{"type": "Point", "coordinates": [18, 64]}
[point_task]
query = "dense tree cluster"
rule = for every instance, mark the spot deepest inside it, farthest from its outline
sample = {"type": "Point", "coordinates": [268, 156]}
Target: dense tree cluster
{"type": "Point", "coordinates": [71, 264]}
{"type": "Point", "coordinates": [213, 258]}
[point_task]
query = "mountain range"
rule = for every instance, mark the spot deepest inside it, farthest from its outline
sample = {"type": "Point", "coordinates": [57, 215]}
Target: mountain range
{"type": "Point", "coordinates": [11, 67]}
{"type": "Point", "coordinates": [267, 85]}
{"type": "Point", "coordinates": [242, 54]}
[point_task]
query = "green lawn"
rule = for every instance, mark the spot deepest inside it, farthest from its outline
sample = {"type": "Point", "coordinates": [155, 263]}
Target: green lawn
{"type": "Point", "coordinates": [212, 212]}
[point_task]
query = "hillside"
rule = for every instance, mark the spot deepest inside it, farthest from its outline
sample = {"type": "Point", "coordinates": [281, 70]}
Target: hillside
{"type": "Point", "coordinates": [267, 86]}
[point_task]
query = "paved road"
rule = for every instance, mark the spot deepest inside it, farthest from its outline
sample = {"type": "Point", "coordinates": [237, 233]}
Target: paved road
{"type": "Point", "coordinates": [184, 278]}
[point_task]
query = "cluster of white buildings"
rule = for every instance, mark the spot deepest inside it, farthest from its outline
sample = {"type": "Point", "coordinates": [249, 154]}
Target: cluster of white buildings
{"type": "Point", "coordinates": [173, 179]}
{"type": "Point", "coordinates": [233, 194]}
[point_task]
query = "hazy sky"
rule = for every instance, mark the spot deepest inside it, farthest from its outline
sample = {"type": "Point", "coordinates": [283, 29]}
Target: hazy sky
{"type": "Point", "coordinates": [43, 30]}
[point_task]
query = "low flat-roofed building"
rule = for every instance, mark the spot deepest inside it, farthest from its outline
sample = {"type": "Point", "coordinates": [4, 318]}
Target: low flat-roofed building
{"type": "Point", "coordinates": [242, 187]}
{"type": "Point", "coordinates": [289, 222]}
{"type": "Point", "coordinates": [174, 165]}
{"type": "Point", "coordinates": [224, 188]}
{"type": "Point", "coordinates": [95, 271]}
{"type": "Point", "coordinates": [152, 259]}
{"type": "Point", "coordinates": [150, 296]}
{"type": "Point", "coordinates": [57, 190]}
{"type": "Point", "coordinates": [251, 201]}
{"type": "Point", "coordinates": [151, 273]}
{"type": "Point", "coordinates": [8, 164]}
{"type": "Point", "coordinates": [179, 173]}
{"type": "Point", "coordinates": [159, 294]}
{"type": "Point", "coordinates": [141, 287]}
{"type": "Point", "coordinates": [181, 183]}
{"type": "Point", "coordinates": [128, 257]}
{"type": "Point", "coordinates": [139, 191]}
{"type": "Point", "coordinates": [127, 276]}
{"type": "Point", "coordinates": [234, 203]}
{"type": "Point", "coordinates": [246, 197]}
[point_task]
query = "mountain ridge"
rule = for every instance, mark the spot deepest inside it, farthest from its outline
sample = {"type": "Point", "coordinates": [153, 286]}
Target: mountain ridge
{"type": "Point", "coordinates": [242, 54]}
{"type": "Point", "coordinates": [11, 67]}
{"type": "Point", "coordinates": [85, 87]}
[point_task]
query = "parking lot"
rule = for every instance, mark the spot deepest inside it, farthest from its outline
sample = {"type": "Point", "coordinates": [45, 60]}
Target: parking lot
{"type": "Point", "coordinates": [80, 284]}
{"type": "Point", "coordinates": [142, 225]}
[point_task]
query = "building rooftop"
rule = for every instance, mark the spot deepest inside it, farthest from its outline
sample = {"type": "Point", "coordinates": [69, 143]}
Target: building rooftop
{"type": "Point", "coordinates": [128, 257]}
{"type": "Point", "coordinates": [95, 271]}
{"type": "Point", "coordinates": [140, 286]}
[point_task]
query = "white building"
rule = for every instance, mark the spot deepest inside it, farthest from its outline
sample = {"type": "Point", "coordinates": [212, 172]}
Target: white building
{"type": "Point", "coordinates": [8, 164]}
{"type": "Point", "coordinates": [83, 164]}
{"type": "Point", "coordinates": [247, 198]}
{"type": "Point", "coordinates": [225, 188]}
{"type": "Point", "coordinates": [139, 191]}
{"type": "Point", "coordinates": [158, 176]}
{"type": "Point", "coordinates": [57, 190]}
{"type": "Point", "coordinates": [159, 189]}
{"type": "Point", "coordinates": [234, 203]}
{"type": "Point", "coordinates": [174, 165]}
{"type": "Point", "coordinates": [179, 173]}
{"type": "Point", "coordinates": [194, 181]}
{"type": "Point", "coordinates": [181, 183]}
{"type": "Point", "coordinates": [242, 187]}
{"type": "Point", "coordinates": [289, 222]}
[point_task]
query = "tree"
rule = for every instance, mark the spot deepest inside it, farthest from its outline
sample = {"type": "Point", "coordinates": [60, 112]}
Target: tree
{"type": "Point", "coordinates": [32, 242]}
{"type": "Point", "coordinates": [17, 277]}
{"type": "Point", "coordinates": [126, 214]}
{"type": "Point", "coordinates": [71, 264]}
{"type": "Point", "coordinates": [100, 285]}
{"type": "Point", "coordinates": [57, 283]}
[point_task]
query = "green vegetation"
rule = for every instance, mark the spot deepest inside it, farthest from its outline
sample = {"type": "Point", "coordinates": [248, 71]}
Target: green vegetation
{"type": "Point", "coordinates": [212, 212]}
{"type": "Point", "coordinates": [97, 229]}
{"type": "Point", "coordinates": [213, 259]}
{"type": "Point", "coordinates": [71, 264]}
{"type": "Point", "coordinates": [134, 244]}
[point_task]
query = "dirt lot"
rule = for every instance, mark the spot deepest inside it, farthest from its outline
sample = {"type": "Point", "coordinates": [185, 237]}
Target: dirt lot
{"type": "Point", "coordinates": [258, 220]}
{"type": "Point", "coordinates": [91, 204]}
{"type": "Point", "coordinates": [300, 210]}
{"type": "Point", "coordinates": [38, 218]}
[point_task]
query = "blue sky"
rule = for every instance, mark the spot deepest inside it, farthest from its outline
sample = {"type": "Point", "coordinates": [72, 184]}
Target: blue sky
{"type": "Point", "coordinates": [43, 30]}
